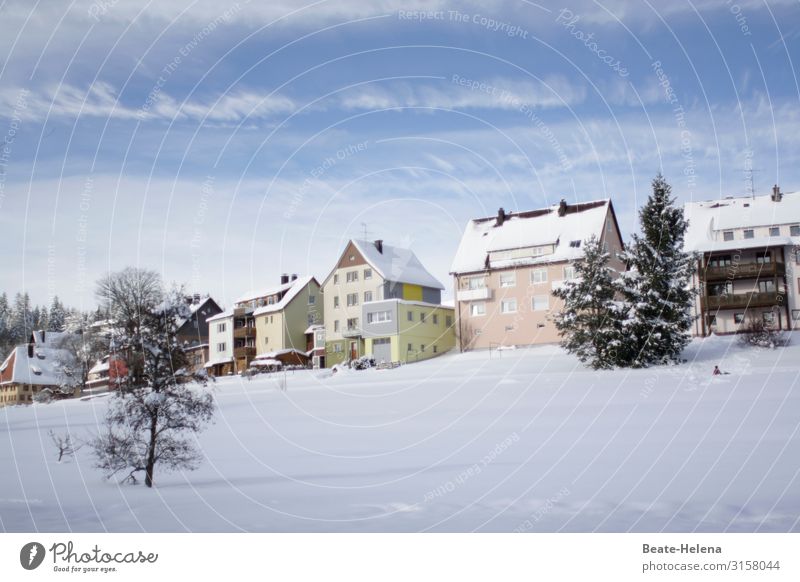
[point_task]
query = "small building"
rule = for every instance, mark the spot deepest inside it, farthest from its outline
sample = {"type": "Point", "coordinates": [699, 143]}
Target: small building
{"type": "Point", "coordinates": [315, 344]}
{"type": "Point", "coordinates": [269, 319]}
{"type": "Point", "coordinates": [369, 273]}
{"type": "Point", "coordinates": [507, 266]}
{"type": "Point", "coordinates": [31, 368]}
{"type": "Point", "coordinates": [748, 266]}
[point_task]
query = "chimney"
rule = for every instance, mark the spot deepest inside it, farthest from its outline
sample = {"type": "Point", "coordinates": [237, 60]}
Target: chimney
{"type": "Point", "coordinates": [294, 276]}
{"type": "Point", "coordinates": [284, 279]}
{"type": "Point", "coordinates": [379, 246]}
{"type": "Point", "coordinates": [196, 299]}
{"type": "Point", "coordinates": [43, 337]}
{"type": "Point", "coordinates": [30, 350]}
{"type": "Point", "coordinates": [501, 217]}
{"type": "Point", "coordinates": [562, 207]}
{"type": "Point", "coordinates": [776, 193]}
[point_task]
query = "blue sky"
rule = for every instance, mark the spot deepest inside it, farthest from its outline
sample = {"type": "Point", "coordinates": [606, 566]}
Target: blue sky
{"type": "Point", "coordinates": [224, 143]}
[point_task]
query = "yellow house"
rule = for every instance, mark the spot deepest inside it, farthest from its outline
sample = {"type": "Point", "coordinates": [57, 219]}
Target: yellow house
{"type": "Point", "coordinates": [368, 296]}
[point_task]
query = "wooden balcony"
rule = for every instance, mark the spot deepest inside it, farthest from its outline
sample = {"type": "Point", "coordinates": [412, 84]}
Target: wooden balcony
{"type": "Point", "coordinates": [744, 271]}
{"type": "Point", "coordinates": [741, 300]}
{"type": "Point", "coordinates": [244, 332]}
{"type": "Point", "coordinates": [244, 352]}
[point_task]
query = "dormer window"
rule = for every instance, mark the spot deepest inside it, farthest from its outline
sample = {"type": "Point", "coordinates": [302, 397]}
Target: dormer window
{"type": "Point", "coordinates": [575, 244]}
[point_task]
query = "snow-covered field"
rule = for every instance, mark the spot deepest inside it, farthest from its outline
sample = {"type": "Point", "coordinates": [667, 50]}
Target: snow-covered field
{"type": "Point", "coordinates": [528, 441]}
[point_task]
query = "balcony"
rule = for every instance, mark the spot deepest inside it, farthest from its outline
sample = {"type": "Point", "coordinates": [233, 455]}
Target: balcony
{"type": "Point", "coordinates": [744, 271]}
{"type": "Point", "coordinates": [244, 332]}
{"type": "Point", "coordinates": [244, 352]}
{"type": "Point", "coordinates": [741, 300]}
{"type": "Point", "coordinates": [474, 294]}
{"type": "Point", "coordinates": [355, 332]}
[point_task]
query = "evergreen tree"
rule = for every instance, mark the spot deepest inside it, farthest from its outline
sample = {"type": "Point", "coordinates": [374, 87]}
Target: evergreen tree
{"type": "Point", "coordinates": [6, 342]}
{"type": "Point", "coordinates": [21, 321]}
{"type": "Point", "coordinates": [589, 322]}
{"type": "Point", "coordinates": [656, 288]}
{"type": "Point", "coordinates": [57, 315]}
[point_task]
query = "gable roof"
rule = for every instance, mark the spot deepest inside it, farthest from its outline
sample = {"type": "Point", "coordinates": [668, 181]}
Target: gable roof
{"type": "Point", "coordinates": [40, 370]}
{"type": "Point", "coordinates": [396, 264]}
{"type": "Point", "coordinates": [194, 308]}
{"type": "Point", "coordinates": [708, 218]}
{"type": "Point", "coordinates": [265, 292]}
{"type": "Point", "coordinates": [296, 287]}
{"type": "Point", "coordinates": [534, 228]}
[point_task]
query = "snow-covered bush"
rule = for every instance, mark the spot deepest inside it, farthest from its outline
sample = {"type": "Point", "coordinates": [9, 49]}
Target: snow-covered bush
{"type": "Point", "coordinates": [758, 334]}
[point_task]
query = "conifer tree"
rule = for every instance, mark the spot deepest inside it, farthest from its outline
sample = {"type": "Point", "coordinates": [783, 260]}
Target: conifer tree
{"type": "Point", "coordinates": [656, 287]}
{"type": "Point", "coordinates": [589, 322]}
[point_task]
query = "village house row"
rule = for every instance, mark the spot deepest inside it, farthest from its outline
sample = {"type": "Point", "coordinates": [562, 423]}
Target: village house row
{"type": "Point", "coordinates": [379, 300]}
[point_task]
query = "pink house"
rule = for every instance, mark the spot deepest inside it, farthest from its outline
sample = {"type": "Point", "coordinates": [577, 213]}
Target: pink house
{"type": "Point", "coordinates": [507, 266]}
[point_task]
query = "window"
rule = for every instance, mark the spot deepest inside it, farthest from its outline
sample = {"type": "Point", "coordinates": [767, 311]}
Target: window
{"type": "Point", "coordinates": [796, 314]}
{"type": "Point", "coordinates": [539, 276]}
{"type": "Point", "coordinates": [508, 306]}
{"type": "Point", "coordinates": [727, 235]}
{"type": "Point", "coordinates": [367, 274]}
{"type": "Point", "coordinates": [422, 317]}
{"type": "Point", "coordinates": [448, 321]}
{"type": "Point", "coordinates": [221, 347]}
{"type": "Point", "coordinates": [569, 272]}
{"type": "Point", "coordinates": [435, 319]}
{"type": "Point", "coordinates": [337, 348]}
{"type": "Point", "coordinates": [352, 299]}
{"type": "Point", "coordinates": [266, 341]}
{"type": "Point", "coordinates": [768, 317]}
{"type": "Point", "coordinates": [794, 230]}
{"type": "Point", "coordinates": [352, 324]}
{"type": "Point", "coordinates": [312, 299]}
{"type": "Point", "coordinates": [748, 233]}
{"type": "Point", "coordinates": [797, 257]}
{"type": "Point", "coordinates": [476, 282]}
{"type": "Point", "coordinates": [605, 246]}
{"type": "Point", "coordinates": [379, 317]}
{"type": "Point", "coordinates": [721, 261]}
{"type": "Point", "coordinates": [764, 259]}
{"type": "Point", "coordinates": [410, 315]}
{"type": "Point", "coordinates": [221, 328]}
{"type": "Point", "coordinates": [541, 302]}
{"type": "Point", "coordinates": [336, 301]}
{"type": "Point", "coordinates": [608, 226]}
{"type": "Point", "coordinates": [720, 289]}
{"type": "Point", "coordinates": [774, 231]}
{"type": "Point", "coordinates": [422, 347]}
{"type": "Point", "coordinates": [575, 244]}
{"type": "Point", "coordinates": [767, 286]}
{"type": "Point", "coordinates": [477, 309]}
{"type": "Point", "coordinates": [410, 348]}
{"type": "Point", "coordinates": [352, 257]}
{"type": "Point", "coordinates": [367, 296]}
{"type": "Point", "coordinates": [310, 319]}
{"type": "Point", "coordinates": [336, 279]}
{"type": "Point", "coordinates": [508, 279]}
{"type": "Point", "coordinates": [352, 276]}
{"type": "Point", "coordinates": [336, 325]}
{"type": "Point", "coordinates": [435, 348]}
{"type": "Point", "coordinates": [738, 318]}
{"type": "Point", "coordinates": [270, 301]}
{"type": "Point", "coordinates": [712, 320]}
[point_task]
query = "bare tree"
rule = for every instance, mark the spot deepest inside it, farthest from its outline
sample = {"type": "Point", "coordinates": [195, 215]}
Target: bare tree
{"type": "Point", "coordinates": [80, 351]}
{"type": "Point", "coordinates": [153, 420]}
{"type": "Point", "coordinates": [64, 444]}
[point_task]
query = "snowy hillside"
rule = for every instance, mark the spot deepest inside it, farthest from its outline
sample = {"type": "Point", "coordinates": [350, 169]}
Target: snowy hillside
{"type": "Point", "coordinates": [528, 441]}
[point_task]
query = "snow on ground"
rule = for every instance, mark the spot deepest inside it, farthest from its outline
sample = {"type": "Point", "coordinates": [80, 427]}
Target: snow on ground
{"type": "Point", "coordinates": [528, 440]}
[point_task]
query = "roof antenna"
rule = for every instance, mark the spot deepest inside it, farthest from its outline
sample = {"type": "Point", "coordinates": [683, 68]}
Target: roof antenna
{"type": "Point", "coordinates": [749, 182]}
{"type": "Point", "coordinates": [366, 232]}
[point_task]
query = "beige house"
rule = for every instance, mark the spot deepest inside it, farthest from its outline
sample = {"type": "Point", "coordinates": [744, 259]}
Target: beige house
{"type": "Point", "coordinates": [365, 297]}
{"type": "Point", "coordinates": [748, 266]}
{"type": "Point", "coordinates": [507, 266]}
{"type": "Point", "coordinates": [263, 321]}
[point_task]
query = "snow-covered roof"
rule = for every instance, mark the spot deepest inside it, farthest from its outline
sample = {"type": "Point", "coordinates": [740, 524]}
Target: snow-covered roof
{"type": "Point", "coordinates": [267, 362]}
{"type": "Point", "coordinates": [40, 370]}
{"type": "Point", "coordinates": [313, 328]}
{"type": "Point", "coordinates": [396, 264]}
{"type": "Point", "coordinates": [102, 366]}
{"type": "Point", "coordinates": [295, 287]}
{"type": "Point", "coordinates": [265, 292]}
{"type": "Point", "coordinates": [523, 230]}
{"type": "Point", "coordinates": [707, 219]}
{"type": "Point", "coordinates": [278, 353]}
{"type": "Point", "coordinates": [222, 315]}
{"type": "Point", "coordinates": [48, 338]}
{"type": "Point", "coordinates": [213, 363]}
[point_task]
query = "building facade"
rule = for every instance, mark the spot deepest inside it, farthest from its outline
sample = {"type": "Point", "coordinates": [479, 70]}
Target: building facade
{"type": "Point", "coordinates": [370, 272]}
{"type": "Point", "coordinates": [507, 266]}
{"type": "Point", "coordinates": [748, 265]}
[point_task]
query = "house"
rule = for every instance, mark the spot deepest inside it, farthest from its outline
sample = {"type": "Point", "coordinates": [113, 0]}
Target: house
{"type": "Point", "coordinates": [31, 368]}
{"type": "Point", "coordinates": [507, 265]}
{"type": "Point", "coordinates": [193, 330]}
{"type": "Point", "coordinates": [748, 265]}
{"type": "Point", "coordinates": [315, 344]}
{"type": "Point", "coordinates": [262, 321]}
{"type": "Point", "coordinates": [368, 296]}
